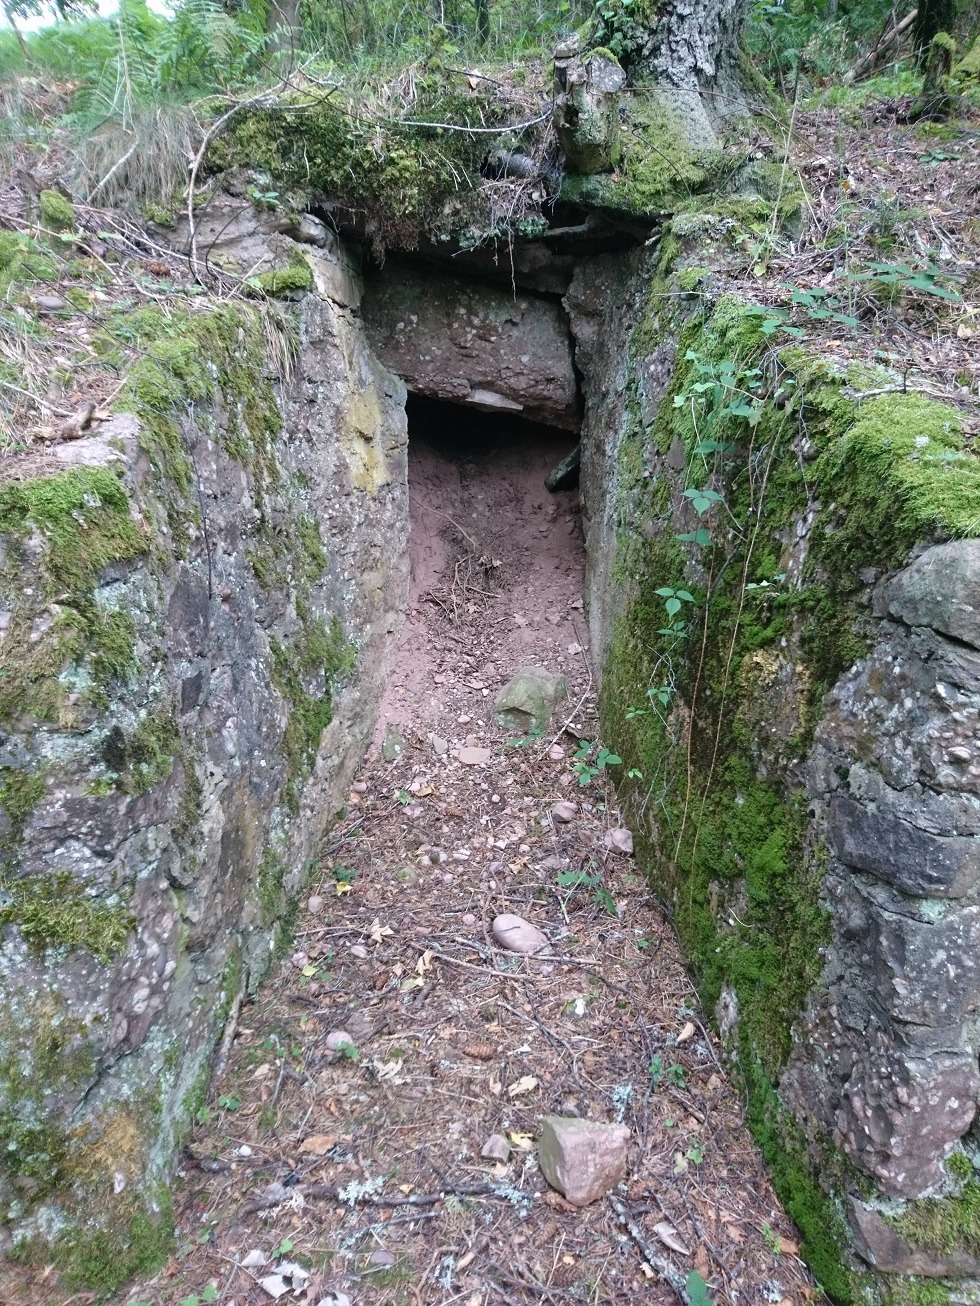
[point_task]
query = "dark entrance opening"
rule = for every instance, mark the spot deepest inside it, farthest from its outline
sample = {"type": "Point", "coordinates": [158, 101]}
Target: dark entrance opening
{"type": "Point", "coordinates": [497, 562]}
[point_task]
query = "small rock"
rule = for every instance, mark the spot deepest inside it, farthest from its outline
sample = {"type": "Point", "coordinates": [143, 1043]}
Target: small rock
{"type": "Point", "coordinates": [314, 904]}
{"type": "Point", "coordinates": [358, 950]}
{"type": "Point", "coordinates": [382, 1259]}
{"type": "Point", "coordinates": [556, 753]}
{"type": "Point", "coordinates": [473, 756]}
{"type": "Point", "coordinates": [359, 787]}
{"type": "Point", "coordinates": [469, 919]}
{"type": "Point", "coordinates": [439, 745]}
{"type": "Point", "coordinates": [254, 1260]}
{"type": "Point", "coordinates": [582, 1159]}
{"type": "Point", "coordinates": [554, 863]}
{"type": "Point", "coordinates": [496, 1148]}
{"type": "Point", "coordinates": [244, 1150]}
{"type": "Point", "coordinates": [619, 841]}
{"type": "Point", "coordinates": [334, 1299]}
{"type": "Point", "coordinates": [49, 303]}
{"type": "Point", "coordinates": [338, 1038]}
{"type": "Point", "coordinates": [299, 960]}
{"type": "Point", "coordinates": [518, 935]}
{"type": "Point", "coordinates": [393, 746]}
{"type": "Point", "coordinates": [564, 812]}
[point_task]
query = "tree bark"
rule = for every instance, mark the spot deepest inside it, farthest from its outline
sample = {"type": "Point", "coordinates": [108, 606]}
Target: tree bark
{"type": "Point", "coordinates": [692, 49]}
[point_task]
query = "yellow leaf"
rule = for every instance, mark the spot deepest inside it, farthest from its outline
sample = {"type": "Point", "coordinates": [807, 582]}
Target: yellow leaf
{"type": "Point", "coordinates": [526, 1084]}
{"type": "Point", "coordinates": [523, 1142]}
{"type": "Point", "coordinates": [318, 1144]}
{"type": "Point", "coordinates": [343, 887]}
{"type": "Point", "coordinates": [308, 971]}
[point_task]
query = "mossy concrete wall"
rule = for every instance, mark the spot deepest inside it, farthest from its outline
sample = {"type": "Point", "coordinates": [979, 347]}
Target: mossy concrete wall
{"type": "Point", "coordinates": [791, 660]}
{"type": "Point", "coordinates": [197, 610]}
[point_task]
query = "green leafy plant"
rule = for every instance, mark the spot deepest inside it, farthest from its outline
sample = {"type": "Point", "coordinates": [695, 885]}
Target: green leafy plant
{"type": "Point", "coordinates": [228, 1103]}
{"type": "Point", "coordinates": [697, 1290]}
{"type": "Point", "coordinates": [593, 883]}
{"type": "Point", "coordinates": [670, 1074]}
{"type": "Point", "coordinates": [587, 767]}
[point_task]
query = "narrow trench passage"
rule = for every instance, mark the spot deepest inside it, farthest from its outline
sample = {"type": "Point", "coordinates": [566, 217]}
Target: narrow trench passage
{"type": "Point", "coordinates": [348, 1156]}
{"type": "Point", "coordinates": [497, 569]}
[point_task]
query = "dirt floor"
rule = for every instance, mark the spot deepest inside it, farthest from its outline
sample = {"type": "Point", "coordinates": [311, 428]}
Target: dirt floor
{"type": "Point", "coordinates": [363, 1167]}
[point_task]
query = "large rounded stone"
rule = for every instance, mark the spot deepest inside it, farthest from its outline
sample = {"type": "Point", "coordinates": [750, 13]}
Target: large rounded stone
{"type": "Point", "coordinates": [941, 590]}
{"type": "Point", "coordinates": [526, 703]}
{"type": "Point", "coordinates": [518, 935]}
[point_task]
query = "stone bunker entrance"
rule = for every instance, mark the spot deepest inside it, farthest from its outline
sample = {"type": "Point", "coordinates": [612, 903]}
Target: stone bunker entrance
{"type": "Point", "coordinates": [497, 563]}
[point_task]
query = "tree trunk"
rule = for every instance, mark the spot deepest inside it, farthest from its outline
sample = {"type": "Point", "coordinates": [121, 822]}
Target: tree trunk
{"type": "Point", "coordinates": [282, 24]}
{"type": "Point", "coordinates": [692, 49]}
{"type": "Point", "coordinates": [932, 17]}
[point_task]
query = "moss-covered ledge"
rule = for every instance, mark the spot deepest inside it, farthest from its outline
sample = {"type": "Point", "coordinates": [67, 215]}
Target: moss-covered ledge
{"type": "Point", "coordinates": [759, 498]}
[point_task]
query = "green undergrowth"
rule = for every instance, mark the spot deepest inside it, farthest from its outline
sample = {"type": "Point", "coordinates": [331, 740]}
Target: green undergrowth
{"type": "Point", "coordinates": [714, 700]}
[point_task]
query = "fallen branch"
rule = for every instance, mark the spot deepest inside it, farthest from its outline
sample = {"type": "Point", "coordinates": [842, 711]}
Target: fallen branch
{"type": "Point", "coordinates": [345, 1197]}
{"type": "Point", "coordinates": [659, 1264]}
{"type": "Point", "coordinates": [868, 61]}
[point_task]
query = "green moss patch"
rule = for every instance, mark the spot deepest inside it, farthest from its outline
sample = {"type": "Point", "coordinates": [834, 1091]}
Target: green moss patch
{"type": "Point", "coordinates": [401, 172]}
{"type": "Point", "coordinates": [56, 912]}
{"type": "Point", "coordinates": [304, 673]}
{"type": "Point", "coordinates": [57, 213]}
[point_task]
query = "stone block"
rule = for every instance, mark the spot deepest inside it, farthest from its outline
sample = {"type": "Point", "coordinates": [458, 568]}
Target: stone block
{"type": "Point", "coordinates": [526, 703]}
{"type": "Point", "coordinates": [912, 860]}
{"type": "Point", "coordinates": [582, 1159]}
{"type": "Point", "coordinates": [882, 1246]}
{"type": "Point", "coordinates": [941, 590]}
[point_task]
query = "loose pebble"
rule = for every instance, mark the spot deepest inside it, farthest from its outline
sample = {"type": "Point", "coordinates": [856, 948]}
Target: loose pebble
{"type": "Point", "coordinates": [564, 812]}
{"type": "Point", "coordinates": [359, 950]}
{"type": "Point", "coordinates": [470, 756]}
{"type": "Point", "coordinates": [336, 1039]}
{"type": "Point", "coordinates": [469, 919]}
{"type": "Point", "coordinates": [496, 1148]}
{"type": "Point", "coordinates": [619, 841]}
{"type": "Point", "coordinates": [299, 960]}
{"type": "Point", "coordinates": [314, 904]}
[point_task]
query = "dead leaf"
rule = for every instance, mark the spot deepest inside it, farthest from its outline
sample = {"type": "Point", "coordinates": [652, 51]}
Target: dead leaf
{"type": "Point", "coordinates": [318, 1144]}
{"type": "Point", "coordinates": [526, 1084]}
{"type": "Point", "coordinates": [688, 1032]}
{"type": "Point", "coordinates": [379, 932]}
{"type": "Point", "coordinates": [424, 963]}
{"type": "Point", "coordinates": [788, 1247]}
{"type": "Point", "coordinates": [669, 1236]}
